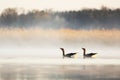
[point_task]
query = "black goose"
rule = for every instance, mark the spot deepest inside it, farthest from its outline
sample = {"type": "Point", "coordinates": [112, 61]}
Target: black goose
{"type": "Point", "coordinates": [69, 55]}
{"type": "Point", "coordinates": [89, 55]}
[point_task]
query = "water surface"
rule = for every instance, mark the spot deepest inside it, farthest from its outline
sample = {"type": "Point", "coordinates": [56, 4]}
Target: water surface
{"type": "Point", "coordinates": [59, 69]}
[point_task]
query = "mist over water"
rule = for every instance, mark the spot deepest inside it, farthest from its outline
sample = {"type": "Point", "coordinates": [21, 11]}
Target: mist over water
{"type": "Point", "coordinates": [30, 44]}
{"type": "Point", "coordinates": [44, 43]}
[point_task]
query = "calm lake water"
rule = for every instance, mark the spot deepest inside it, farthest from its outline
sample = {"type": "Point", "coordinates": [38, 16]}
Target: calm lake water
{"type": "Point", "coordinates": [28, 70]}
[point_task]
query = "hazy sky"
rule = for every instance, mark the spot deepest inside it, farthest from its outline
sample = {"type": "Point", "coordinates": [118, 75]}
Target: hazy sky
{"type": "Point", "coordinates": [58, 4]}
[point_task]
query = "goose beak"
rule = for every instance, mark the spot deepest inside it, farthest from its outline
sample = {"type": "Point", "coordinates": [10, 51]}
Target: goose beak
{"type": "Point", "coordinates": [83, 48]}
{"type": "Point", "coordinates": [61, 48]}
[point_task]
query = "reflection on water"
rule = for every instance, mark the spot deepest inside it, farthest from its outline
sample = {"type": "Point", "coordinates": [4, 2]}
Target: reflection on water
{"type": "Point", "coordinates": [59, 72]}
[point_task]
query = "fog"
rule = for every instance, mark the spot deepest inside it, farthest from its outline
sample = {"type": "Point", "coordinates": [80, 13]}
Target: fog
{"type": "Point", "coordinates": [45, 43]}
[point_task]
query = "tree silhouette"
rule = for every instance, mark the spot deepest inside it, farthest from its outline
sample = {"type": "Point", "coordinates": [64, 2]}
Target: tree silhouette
{"type": "Point", "coordinates": [83, 19]}
{"type": "Point", "coordinates": [9, 17]}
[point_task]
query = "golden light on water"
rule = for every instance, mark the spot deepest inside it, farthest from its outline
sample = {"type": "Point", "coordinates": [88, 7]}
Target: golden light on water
{"type": "Point", "coordinates": [39, 42]}
{"type": "Point", "coordinates": [63, 34]}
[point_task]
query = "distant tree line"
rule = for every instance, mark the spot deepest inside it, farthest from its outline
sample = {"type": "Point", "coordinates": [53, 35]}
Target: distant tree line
{"type": "Point", "coordinates": [104, 18]}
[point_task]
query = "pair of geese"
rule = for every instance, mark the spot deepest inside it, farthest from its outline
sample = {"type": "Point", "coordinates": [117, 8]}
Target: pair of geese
{"type": "Point", "coordinates": [70, 55]}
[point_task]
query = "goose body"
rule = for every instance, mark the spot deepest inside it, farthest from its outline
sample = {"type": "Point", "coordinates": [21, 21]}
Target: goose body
{"type": "Point", "coordinates": [69, 55]}
{"type": "Point", "coordinates": [88, 55]}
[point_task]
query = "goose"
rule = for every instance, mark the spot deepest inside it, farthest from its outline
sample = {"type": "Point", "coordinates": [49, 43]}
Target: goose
{"type": "Point", "coordinates": [89, 55]}
{"type": "Point", "coordinates": [69, 55]}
